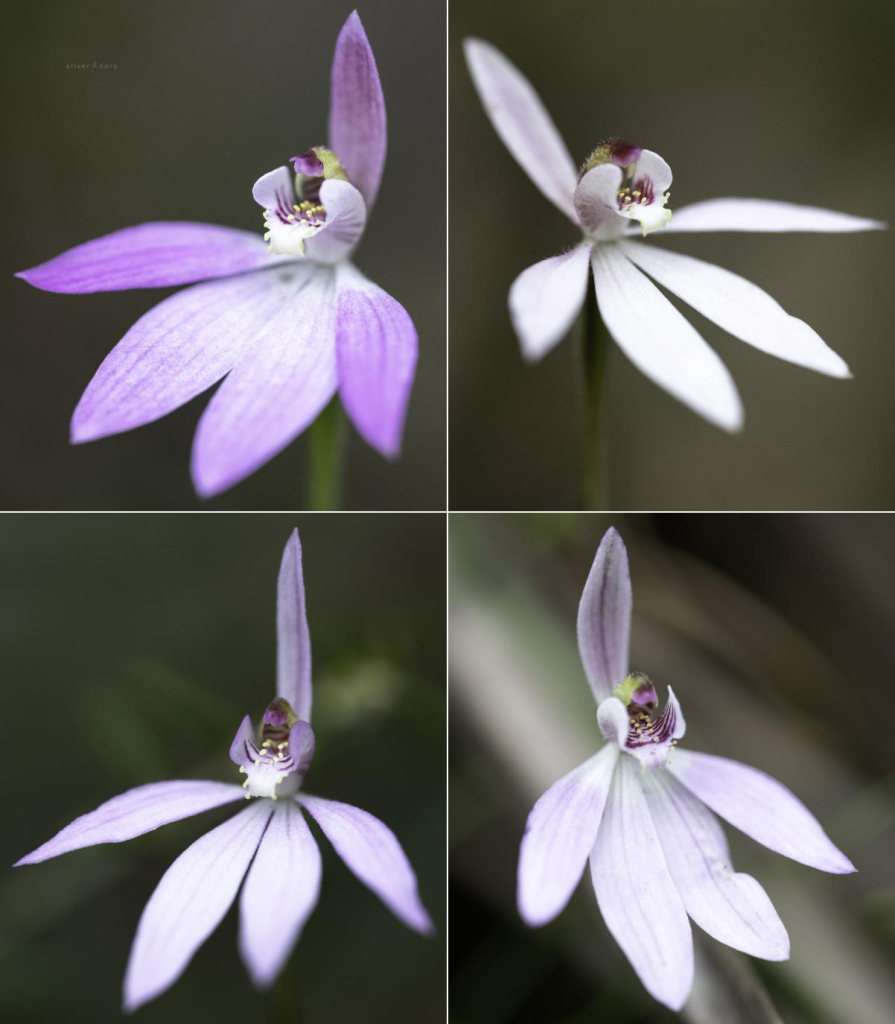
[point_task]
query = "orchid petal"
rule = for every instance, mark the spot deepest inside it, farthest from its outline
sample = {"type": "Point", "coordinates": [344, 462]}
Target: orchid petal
{"type": "Point", "coordinates": [596, 201]}
{"type": "Point", "coordinates": [765, 215]}
{"type": "Point", "coordinates": [293, 635]}
{"type": "Point", "coordinates": [733, 908]}
{"type": "Point", "coordinates": [604, 617]}
{"type": "Point", "coordinates": [243, 747]}
{"type": "Point", "coordinates": [660, 342]}
{"type": "Point", "coordinates": [522, 122]}
{"type": "Point", "coordinates": [152, 255]}
{"type": "Point", "coordinates": [280, 892]}
{"type": "Point", "coordinates": [302, 744]}
{"type": "Point", "coordinates": [135, 813]}
{"type": "Point", "coordinates": [346, 216]}
{"type": "Point", "coordinates": [277, 388]}
{"type": "Point", "coordinates": [275, 190]}
{"type": "Point", "coordinates": [546, 298]}
{"type": "Point", "coordinates": [357, 130]}
{"type": "Point", "coordinates": [636, 895]}
{"type": "Point", "coordinates": [372, 852]}
{"type": "Point", "coordinates": [189, 903]}
{"type": "Point", "coordinates": [652, 168]}
{"type": "Point", "coordinates": [614, 721]}
{"type": "Point", "coordinates": [761, 807]}
{"type": "Point", "coordinates": [559, 835]}
{"type": "Point", "coordinates": [376, 347]}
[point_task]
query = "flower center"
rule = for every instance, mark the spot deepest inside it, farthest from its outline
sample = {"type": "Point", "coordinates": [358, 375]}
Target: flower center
{"type": "Point", "coordinates": [628, 717]}
{"type": "Point", "coordinates": [288, 222]}
{"type": "Point", "coordinates": [271, 759]}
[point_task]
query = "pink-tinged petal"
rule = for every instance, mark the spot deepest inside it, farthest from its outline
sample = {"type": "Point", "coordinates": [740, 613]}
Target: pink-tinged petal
{"type": "Point", "coordinates": [596, 201]}
{"type": "Point", "coordinates": [765, 215]}
{"type": "Point", "coordinates": [176, 351]}
{"type": "Point", "coordinates": [761, 807]}
{"type": "Point", "coordinates": [293, 635]}
{"type": "Point", "coordinates": [376, 346]}
{"type": "Point", "coordinates": [189, 903]}
{"type": "Point", "coordinates": [152, 255]}
{"type": "Point", "coordinates": [660, 342]}
{"type": "Point", "coordinates": [279, 894]}
{"type": "Point", "coordinates": [243, 747]}
{"type": "Point", "coordinates": [738, 306]}
{"type": "Point", "coordinates": [559, 836]}
{"type": "Point", "coordinates": [545, 300]}
{"type": "Point", "coordinates": [346, 215]}
{"type": "Point", "coordinates": [733, 908]}
{"type": "Point", "coordinates": [522, 122]}
{"type": "Point", "coordinates": [370, 850]}
{"type": "Point", "coordinates": [135, 813]}
{"type": "Point", "coordinates": [276, 389]}
{"type": "Point", "coordinates": [636, 895]}
{"type": "Point", "coordinates": [604, 617]}
{"type": "Point", "coordinates": [357, 130]}
{"type": "Point", "coordinates": [302, 744]}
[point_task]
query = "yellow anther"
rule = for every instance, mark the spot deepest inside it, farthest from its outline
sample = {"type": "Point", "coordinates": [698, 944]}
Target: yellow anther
{"type": "Point", "coordinates": [285, 743]}
{"type": "Point", "coordinates": [242, 771]}
{"type": "Point", "coordinates": [296, 208]}
{"type": "Point", "coordinates": [636, 193]}
{"type": "Point", "coordinates": [290, 216]}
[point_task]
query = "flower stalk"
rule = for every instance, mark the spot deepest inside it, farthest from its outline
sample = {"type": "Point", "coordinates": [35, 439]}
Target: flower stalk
{"type": "Point", "coordinates": [595, 482]}
{"type": "Point", "coordinates": [326, 449]}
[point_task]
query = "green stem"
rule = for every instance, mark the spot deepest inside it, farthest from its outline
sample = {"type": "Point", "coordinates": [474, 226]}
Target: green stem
{"type": "Point", "coordinates": [595, 491]}
{"type": "Point", "coordinates": [325, 444]}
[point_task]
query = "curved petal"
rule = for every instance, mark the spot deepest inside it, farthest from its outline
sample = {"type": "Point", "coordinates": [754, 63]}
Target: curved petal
{"type": "Point", "coordinates": [278, 387]}
{"type": "Point", "coordinates": [243, 748]}
{"type": "Point", "coordinates": [152, 255]}
{"type": "Point", "coordinates": [559, 836]}
{"type": "Point", "coordinates": [522, 122]}
{"type": "Point", "coordinates": [733, 908]}
{"type": "Point", "coordinates": [371, 851]}
{"type": "Point", "coordinates": [596, 201]}
{"type": "Point", "coordinates": [765, 215]}
{"type": "Point", "coordinates": [275, 190]}
{"type": "Point", "coordinates": [653, 169]}
{"type": "Point", "coordinates": [635, 893]}
{"type": "Point", "coordinates": [135, 813]}
{"type": "Point", "coordinates": [761, 807]}
{"type": "Point", "coordinates": [280, 892]}
{"type": "Point", "coordinates": [189, 903]}
{"type": "Point", "coordinates": [176, 351]}
{"type": "Point", "coordinates": [604, 617]}
{"type": "Point", "coordinates": [738, 306]}
{"type": "Point", "coordinates": [293, 635]}
{"type": "Point", "coordinates": [346, 216]}
{"type": "Point", "coordinates": [357, 131]}
{"type": "Point", "coordinates": [376, 347]}
{"type": "Point", "coordinates": [660, 342]}
{"type": "Point", "coordinates": [546, 298]}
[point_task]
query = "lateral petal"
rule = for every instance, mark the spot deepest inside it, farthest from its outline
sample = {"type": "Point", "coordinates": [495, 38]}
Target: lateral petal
{"type": "Point", "coordinates": [546, 298]}
{"type": "Point", "coordinates": [765, 215]}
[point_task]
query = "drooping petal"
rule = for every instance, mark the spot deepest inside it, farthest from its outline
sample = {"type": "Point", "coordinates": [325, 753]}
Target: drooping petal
{"type": "Point", "coordinates": [660, 342]}
{"type": "Point", "coordinates": [357, 131]}
{"type": "Point", "coordinates": [738, 306]}
{"type": "Point", "coordinates": [279, 894]}
{"type": "Point", "coordinates": [733, 908]}
{"type": "Point", "coordinates": [765, 215]}
{"type": "Point", "coordinates": [636, 895]}
{"type": "Point", "coordinates": [278, 387]}
{"type": "Point", "coordinates": [761, 807]}
{"type": "Point", "coordinates": [293, 635]}
{"type": "Point", "coordinates": [346, 216]}
{"type": "Point", "coordinates": [189, 903]}
{"type": "Point", "coordinates": [546, 298]}
{"type": "Point", "coordinates": [134, 813]}
{"type": "Point", "coordinates": [604, 617]}
{"type": "Point", "coordinates": [522, 122]}
{"type": "Point", "coordinates": [176, 351]}
{"type": "Point", "coordinates": [152, 255]}
{"type": "Point", "coordinates": [376, 347]}
{"type": "Point", "coordinates": [559, 836]}
{"type": "Point", "coordinates": [370, 850]}
{"type": "Point", "coordinates": [596, 201]}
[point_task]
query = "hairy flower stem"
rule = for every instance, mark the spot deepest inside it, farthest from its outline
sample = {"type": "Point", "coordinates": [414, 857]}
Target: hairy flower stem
{"type": "Point", "coordinates": [326, 445]}
{"type": "Point", "coordinates": [595, 489]}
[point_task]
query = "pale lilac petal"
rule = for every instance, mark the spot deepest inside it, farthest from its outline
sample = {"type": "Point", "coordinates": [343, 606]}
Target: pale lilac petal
{"type": "Point", "coordinates": [613, 720]}
{"type": "Point", "coordinates": [275, 190]}
{"type": "Point", "coordinates": [279, 894]}
{"type": "Point", "coordinates": [559, 835]}
{"type": "Point", "coordinates": [278, 387]}
{"type": "Point", "coordinates": [765, 215]}
{"type": "Point", "coordinates": [189, 903]}
{"type": "Point", "coordinates": [738, 306]}
{"type": "Point", "coordinates": [545, 300]}
{"type": "Point", "coordinates": [522, 122]}
{"type": "Point", "coordinates": [653, 169]}
{"type": "Point", "coordinates": [636, 895]}
{"type": "Point", "coordinates": [660, 342]}
{"type": "Point", "coordinates": [134, 813]}
{"type": "Point", "coordinates": [376, 347]}
{"type": "Point", "coordinates": [152, 255]}
{"type": "Point", "coordinates": [176, 351]}
{"type": "Point", "coordinates": [761, 807]}
{"type": "Point", "coordinates": [243, 747]}
{"type": "Point", "coordinates": [346, 215]}
{"type": "Point", "coordinates": [293, 635]}
{"type": "Point", "coordinates": [733, 908]}
{"type": "Point", "coordinates": [596, 201]}
{"type": "Point", "coordinates": [357, 132]}
{"type": "Point", "coordinates": [370, 849]}
{"type": "Point", "coordinates": [604, 617]}
{"type": "Point", "coordinates": [302, 744]}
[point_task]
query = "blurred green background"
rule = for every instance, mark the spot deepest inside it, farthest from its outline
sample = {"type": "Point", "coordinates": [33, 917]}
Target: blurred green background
{"type": "Point", "coordinates": [776, 633]}
{"type": "Point", "coordinates": [780, 100]}
{"type": "Point", "coordinates": [207, 96]}
{"type": "Point", "coordinates": [130, 649]}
